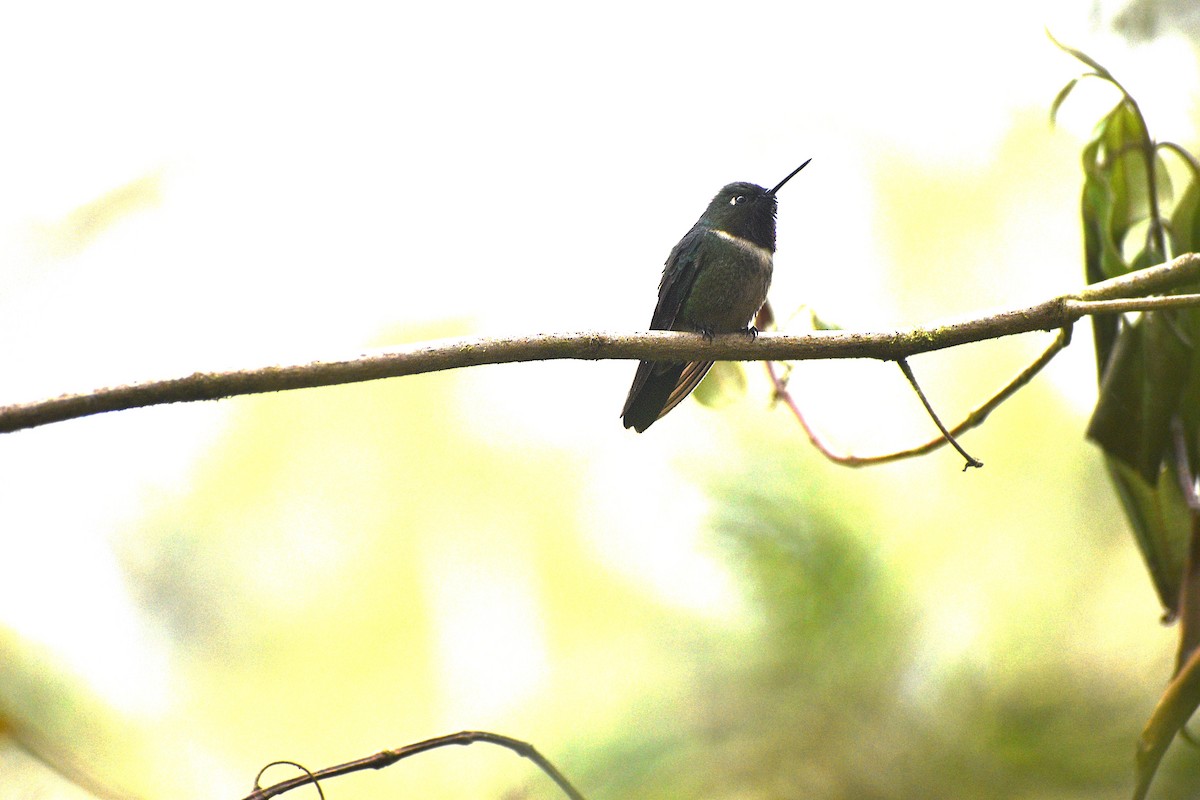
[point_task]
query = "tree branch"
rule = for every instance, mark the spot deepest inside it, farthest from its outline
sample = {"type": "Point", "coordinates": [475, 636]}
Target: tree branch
{"type": "Point", "coordinates": [972, 420]}
{"type": "Point", "coordinates": [947, 435]}
{"type": "Point", "coordinates": [1059, 312]}
{"type": "Point", "coordinates": [386, 758]}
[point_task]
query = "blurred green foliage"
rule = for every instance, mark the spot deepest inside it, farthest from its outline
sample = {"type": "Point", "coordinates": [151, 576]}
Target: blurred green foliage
{"type": "Point", "coordinates": [825, 699]}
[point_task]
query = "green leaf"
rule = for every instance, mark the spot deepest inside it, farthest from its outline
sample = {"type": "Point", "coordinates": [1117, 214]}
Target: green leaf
{"type": "Point", "coordinates": [1115, 199]}
{"type": "Point", "coordinates": [821, 324]}
{"type": "Point", "coordinates": [1162, 182]}
{"type": "Point", "coordinates": [1149, 371]}
{"type": "Point", "coordinates": [1161, 526]}
{"type": "Point", "coordinates": [1140, 393]}
{"type": "Point", "coordinates": [1187, 322]}
{"type": "Point", "coordinates": [1102, 258]}
{"type": "Point", "coordinates": [1184, 225]}
{"type": "Point", "coordinates": [1152, 381]}
{"type": "Point", "coordinates": [1060, 97]}
{"type": "Point", "coordinates": [1188, 159]}
{"type": "Point", "coordinates": [1082, 56]}
{"type": "Point", "coordinates": [1125, 155]}
{"type": "Point", "coordinates": [724, 384]}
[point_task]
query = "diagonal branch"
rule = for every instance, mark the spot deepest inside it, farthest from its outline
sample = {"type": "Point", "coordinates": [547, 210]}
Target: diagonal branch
{"type": "Point", "coordinates": [1059, 312]}
{"type": "Point", "coordinates": [947, 435]}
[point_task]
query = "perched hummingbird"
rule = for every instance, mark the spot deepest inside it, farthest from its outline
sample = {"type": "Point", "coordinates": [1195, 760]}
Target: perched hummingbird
{"type": "Point", "coordinates": [715, 280]}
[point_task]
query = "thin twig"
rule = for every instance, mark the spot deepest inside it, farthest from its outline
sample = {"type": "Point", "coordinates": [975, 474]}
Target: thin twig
{"type": "Point", "coordinates": [424, 357]}
{"type": "Point", "coordinates": [973, 419]}
{"type": "Point", "coordinates": [386, 758]}
{"type": "Point", "coordinates": [912, 380]}
{"type": "Point", "coordinates": [1133, 304]}
{"type": "Point", "coordinates": [313, 779]}
{"type": "Point", "coordinates": [783, 394]}
{"type": "Point", "coordinates": [1177, 272]}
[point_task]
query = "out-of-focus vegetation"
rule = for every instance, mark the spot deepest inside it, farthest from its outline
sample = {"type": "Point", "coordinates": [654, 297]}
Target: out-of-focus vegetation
{"type": "Point", "coordinates": [826, 698]}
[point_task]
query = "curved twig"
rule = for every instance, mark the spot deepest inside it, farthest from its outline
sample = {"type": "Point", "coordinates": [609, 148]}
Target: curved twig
{"type": "Point", "coordinates": [386, 758]}
{"type": "Point", "coordinates": [973, 419]}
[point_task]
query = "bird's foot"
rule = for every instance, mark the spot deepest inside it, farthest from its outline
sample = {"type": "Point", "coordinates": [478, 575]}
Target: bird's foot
{"type": "Point", "coordinates": [751, 331]}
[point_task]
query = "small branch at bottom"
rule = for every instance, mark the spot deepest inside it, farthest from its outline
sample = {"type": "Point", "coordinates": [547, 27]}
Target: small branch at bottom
{"type": "Point", "coordinates": [386, 758]}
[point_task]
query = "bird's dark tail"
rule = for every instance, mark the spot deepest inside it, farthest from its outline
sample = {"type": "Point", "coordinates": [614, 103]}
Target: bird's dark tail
{"type": "Point", "coordinates": [657, 388]}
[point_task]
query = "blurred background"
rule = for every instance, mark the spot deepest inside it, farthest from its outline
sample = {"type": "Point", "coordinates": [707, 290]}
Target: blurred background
{"type": "Point", "coordinates": [710, 609]}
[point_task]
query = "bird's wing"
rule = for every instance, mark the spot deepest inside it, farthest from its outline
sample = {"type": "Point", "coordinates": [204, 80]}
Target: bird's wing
{"type": "Point", "coordinates": [659, 386]}
{"type": "Point", "coordinates": [689, 379]}
{"type": "Point", "coordinates": [678, 276]}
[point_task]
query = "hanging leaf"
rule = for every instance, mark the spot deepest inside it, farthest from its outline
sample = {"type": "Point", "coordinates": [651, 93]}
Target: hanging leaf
{"type": "Point", "coordinates": [821, 324]}
{"type": "Point", "coordinates": [1141, 392]}
{"type": "Point", "coordinates": [724, 384]}
{"type": "Point", "coordinates": [1184, 228]}
{"type": "Point", "coordinates": [1184, 225]}
{"type": "Point", "coordinates": [1100, 71]}
{"type": "Point", "coordinates": [1147, 418]}
{"type": "Point", "coordinates": [1125, 152]}
{"type": "Point", "coordinates": [1159, 517]}
{"type": "Point", "coordinates": [1060, 97]}
{"type": "Point", "coordinates": [1102, 258]}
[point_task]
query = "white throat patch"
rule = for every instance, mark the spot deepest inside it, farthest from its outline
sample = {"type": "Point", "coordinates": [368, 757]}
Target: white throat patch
{"type": "Point", "coordinates": [758, 251]}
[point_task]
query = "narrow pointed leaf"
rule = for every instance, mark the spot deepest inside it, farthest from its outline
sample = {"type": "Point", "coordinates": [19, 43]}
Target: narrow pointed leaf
{"type": "Point", "coordinates": [1082, 56]}
{"type": "Point", "coordinates": [1060, 97]}
{"type": "Point", "coordinates": [1140, 393]}
{"type": "Point", "coordinates": [1125, 156]}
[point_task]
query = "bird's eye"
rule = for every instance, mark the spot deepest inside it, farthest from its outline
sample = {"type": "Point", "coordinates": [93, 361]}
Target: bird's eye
{"type": "Point", "coordinates": [741, 198]}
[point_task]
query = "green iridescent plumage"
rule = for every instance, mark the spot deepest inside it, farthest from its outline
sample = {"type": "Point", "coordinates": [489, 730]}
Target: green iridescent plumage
{"type": "Point", "coordinates": [715, 280]}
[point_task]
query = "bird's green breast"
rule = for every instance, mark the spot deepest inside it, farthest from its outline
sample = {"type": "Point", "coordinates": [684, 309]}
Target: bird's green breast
{"type": "Point", "coordinates": [730, 286]}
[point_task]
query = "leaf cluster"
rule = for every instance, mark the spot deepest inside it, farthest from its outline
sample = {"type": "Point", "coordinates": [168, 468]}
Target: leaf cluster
{"type": "Point", "coordinates": [1147, 418]}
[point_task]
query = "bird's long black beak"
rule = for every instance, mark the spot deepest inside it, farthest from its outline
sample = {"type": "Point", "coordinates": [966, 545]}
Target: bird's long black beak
{"type": "Point", "coordinates": [779, 185]}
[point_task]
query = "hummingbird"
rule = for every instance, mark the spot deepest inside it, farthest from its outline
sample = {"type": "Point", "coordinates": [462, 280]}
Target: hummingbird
{"type": "Point", "coordinates": [715, 281]}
